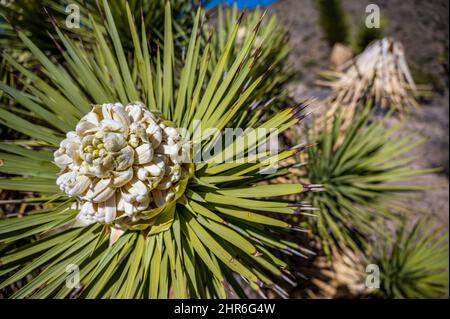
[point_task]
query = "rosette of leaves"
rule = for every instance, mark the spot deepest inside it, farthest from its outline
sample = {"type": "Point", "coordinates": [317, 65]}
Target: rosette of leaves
{"type": "Point", "coordinates": [414, 263]}
{"type": "Point", "coordinates": [365, 174]}
{"type": "Point", "coordinates": [218, 228]}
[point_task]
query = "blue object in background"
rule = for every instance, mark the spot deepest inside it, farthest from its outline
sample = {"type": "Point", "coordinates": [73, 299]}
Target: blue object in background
{"type": "Point", "coordinates": [242, 4]}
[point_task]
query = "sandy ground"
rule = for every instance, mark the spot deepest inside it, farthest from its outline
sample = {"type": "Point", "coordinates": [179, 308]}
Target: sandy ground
{"type": "Point", "coordinates": [422, 27]}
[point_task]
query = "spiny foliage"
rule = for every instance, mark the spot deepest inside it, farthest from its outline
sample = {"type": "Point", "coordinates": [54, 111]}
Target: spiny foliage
{"type": "Point", "coordinates": [271, 52]}
{"type": "Point", "coordinates": [363, 172]}
{"type": "Point", "coordinates": [414, 264]}
{"type": "Point", "coordinates": [6, 77]}
{"type": "Point", "coordinates": [34, 17]}
{"type": "Point", "coordinates": [218, 228]}
{"type": "Point", "coordinates": [271, 47]}
{"type": "Point", "coordinates": [333, 21]}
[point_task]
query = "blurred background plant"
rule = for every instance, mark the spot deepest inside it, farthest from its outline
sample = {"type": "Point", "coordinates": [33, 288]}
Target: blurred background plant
{"type": "Point", "coordinates": [410, 262]}
{"type": "Point", "coordinates": [337, 27]}
{"type": "Point", "coordinates": [363, 170]}
{"type": "Point", "coordinates": [333, 22]}
{"type": "Point", "coordinates": [414, 262]}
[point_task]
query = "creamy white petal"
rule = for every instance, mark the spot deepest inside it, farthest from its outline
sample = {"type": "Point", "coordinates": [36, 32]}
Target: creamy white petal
{"type": "Point", "coordinates": [87, 209]}
{"type": "Point", "coordinates": [155, 169]}
{"type": "Point", "coordinates": [63, 160]}
{"type": "Point", "coordinates": [129, 208]}
{"type": "Point", "coordinates": [91, 117]}
{"type": "Point", "coordinates": [110, 209]}
{"type": "Point", "coordinates": [85, 127]}
{"type": "Point", "coordinates": [122, 178]}
{"type": "Point", "coordinates": [114, 142]}
{"type": "Point", "coordinates": [125, 158]}
{"type": "Point", "coordinates": [65, 179]}
{"type": "Point", "coordinates": [111, 125]}
{"type": "Point", "coordinates": [86, 220]}
{"type": "Point", "coordinates": [171, 132]}
{"type": "Point", "coordinates": [144, 154]}
{"type": "Point", "coordinates": [138, 187]}
{"type": "Point", "coordinates": [115, 235]}
{"type": "Point", "coordinates": [155, 135]}
{"type": "Point", "coordinates": [106, 110]}
{"type": "Point", "coordinates": [135, 112]}
{"type": "Point", "coordinates": [104, 195]}
{"type": "Point", "coordinates": [119, 114]}
{"type": "Point", "coordinates": [142, 174]}
{"type": "Point", "coordinates": [98, 187]}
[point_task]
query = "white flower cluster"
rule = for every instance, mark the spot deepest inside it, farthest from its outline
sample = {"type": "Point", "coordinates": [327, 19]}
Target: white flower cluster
{"type": "Point", "coordinates": [121, 160]}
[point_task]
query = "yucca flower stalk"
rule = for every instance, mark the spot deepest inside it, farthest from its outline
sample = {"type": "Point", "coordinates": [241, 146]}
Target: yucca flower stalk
{"type": "Point", "coordinates": [414, 263]}
{"type": "Point", "coordinates": [366, 176]}
{"type": "Point", "coordinates": [193, 243]}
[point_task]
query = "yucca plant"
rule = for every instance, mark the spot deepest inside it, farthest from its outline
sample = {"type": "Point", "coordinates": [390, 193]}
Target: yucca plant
{"type": "Point", "coordinates": [365, 174]}
{"type": "Point", "coordinates": [126, 209]}
{"type": "Point", "coordinates": [414, 264]}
